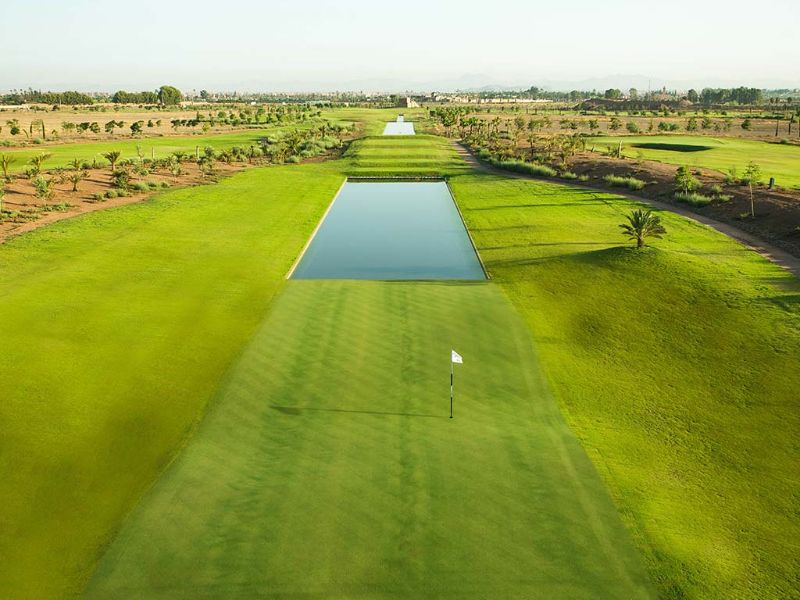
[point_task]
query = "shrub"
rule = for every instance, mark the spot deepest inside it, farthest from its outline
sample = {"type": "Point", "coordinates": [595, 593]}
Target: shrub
{"type": "Point", "coordinates": [98, 197]}
{"type": "Point", "coordinates": [153, 185]}
{"type": "Point", "coordinates": [293, 159]}
{"type": "Point", "coordinates": [567, 175]}
{"type": "Point", "coordinates": [44, 187]}
{"type": "Point", "coordinates": [165, 184]}
{"type": "Point", "coordinates": [694, 198]}
{"type": "Point", "coordinates": [632, 127]}
{"type": "Point", "coordinates": [629, 182]}
{"type": "Point", "coordinates": [60, 207]}
{"type": "Point", "coordinates": [111, 194]}
{"type": "Point", "coordinates": [121, 178]}
{"type": "Point", "coordinates": [519, 166]}
{"type": "Point", "coordinates": [583, 178]}
{"type": "Point", "coordinates": [141, 186]}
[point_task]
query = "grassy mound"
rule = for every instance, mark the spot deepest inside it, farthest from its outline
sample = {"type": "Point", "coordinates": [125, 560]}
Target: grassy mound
{"type": "Point", "coordinates": [676, 366]}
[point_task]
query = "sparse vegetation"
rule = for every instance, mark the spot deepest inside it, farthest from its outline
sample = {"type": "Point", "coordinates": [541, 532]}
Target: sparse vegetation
{"type": "Point", "coordinates": [632, 183]}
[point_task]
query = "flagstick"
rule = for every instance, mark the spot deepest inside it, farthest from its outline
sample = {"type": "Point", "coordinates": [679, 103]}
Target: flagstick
{"type": "Point", "coordinates": [451, 388]}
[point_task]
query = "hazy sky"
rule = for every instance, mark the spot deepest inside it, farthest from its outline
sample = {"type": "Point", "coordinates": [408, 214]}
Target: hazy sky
{"type": "Point", "coordinates": [251, 44]}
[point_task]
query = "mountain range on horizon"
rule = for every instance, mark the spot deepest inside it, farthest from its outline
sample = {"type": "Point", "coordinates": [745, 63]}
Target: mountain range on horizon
{"type": "Point", "coordinates": [476, 82]}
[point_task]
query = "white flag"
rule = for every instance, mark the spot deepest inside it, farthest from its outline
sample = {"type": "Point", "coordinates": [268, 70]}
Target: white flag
{"type": "Point", "coordinates": [456, 357]}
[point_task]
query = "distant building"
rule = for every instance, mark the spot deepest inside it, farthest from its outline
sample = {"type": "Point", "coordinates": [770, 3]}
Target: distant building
{"type": "Point", "coordinates": [408, 103]}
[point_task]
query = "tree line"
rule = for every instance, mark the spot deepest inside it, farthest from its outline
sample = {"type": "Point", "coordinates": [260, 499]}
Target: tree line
{"type": "Point", "coordinates": [37, 96]}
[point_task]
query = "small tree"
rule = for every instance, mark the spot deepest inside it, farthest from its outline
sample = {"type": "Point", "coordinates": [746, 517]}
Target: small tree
{"type": "Point", "coordinates": [752, 174]}
{"type": "Point", "coordinates": [614, 124]}
{"type": "Point", "coordinates": [38, 160]}
{"type": "Point", "coordinates": [6, 160]}
{"type": "Point", "coordinates": [121, 178]}
{"type": "Point", "coordinates": [641, 225]}
{"type": "Point", "coordinates": [75, 178]}
{"type": "Point", "coordinates": [112, 157]}
{"type": "Point", "coordinates": [685, 181]}
{"type": "Point", "coordinates": [44, 187]}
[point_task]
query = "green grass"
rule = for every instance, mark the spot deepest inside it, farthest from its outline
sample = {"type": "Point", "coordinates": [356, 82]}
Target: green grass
{"type": "Point", "coordinates": [153, 146]}
{"type": "Point", "coordinates": [677, 368]}
{"type": "Point", "coordinates": [777, 160]}
{"type": "Point", "coordinates": [117, 327]}
{"type": "Point", "coordinates": [327, 466]}
{"type": "Point", "coordinates": [423, 155]}
{"type": "Point", "coordinates": [373, 120]}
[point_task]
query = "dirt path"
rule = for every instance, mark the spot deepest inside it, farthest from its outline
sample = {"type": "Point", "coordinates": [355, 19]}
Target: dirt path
{"type": "Point", "coordinates": [780, 257]}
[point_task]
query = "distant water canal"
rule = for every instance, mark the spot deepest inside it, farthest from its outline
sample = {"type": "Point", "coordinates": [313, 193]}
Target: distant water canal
{"type": "Point", "coordinates": [399, 127]}
{"type": "Point", "coordinates": [398, 230]}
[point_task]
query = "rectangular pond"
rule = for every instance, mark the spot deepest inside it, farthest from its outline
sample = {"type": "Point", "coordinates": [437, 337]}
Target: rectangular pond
{"type": "Point", "coordinates": [391, 230]}
{"type": "Point", "coordinates": [399, 127]}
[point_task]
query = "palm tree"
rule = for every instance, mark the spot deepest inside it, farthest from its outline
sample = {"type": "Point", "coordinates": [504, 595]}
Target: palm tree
{"type": "Point", "coordinates": [112, 157]}
{"type": "Point", "coordinates": [75, 178]}
{"type": "Point", "coordinates": [6, 160]}
{"type": "Point", "coordinates": [38, 160]}
{"type": "Point", "coordinates": [641, 225]}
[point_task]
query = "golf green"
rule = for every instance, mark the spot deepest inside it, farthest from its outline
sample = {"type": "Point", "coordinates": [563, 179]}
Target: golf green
{"type": "Point", "coordinates": [327, 465]}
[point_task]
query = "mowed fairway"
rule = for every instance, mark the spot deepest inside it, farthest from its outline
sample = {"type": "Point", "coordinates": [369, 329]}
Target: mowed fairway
{"type": "Point", "coordinates": [327, 466]}
{"type": "Point", "coordinates": [417, 155]}
{"type": "Point", "coordinates": [677, 367]}
{"type": "Point", "coordinates": [781, 161]}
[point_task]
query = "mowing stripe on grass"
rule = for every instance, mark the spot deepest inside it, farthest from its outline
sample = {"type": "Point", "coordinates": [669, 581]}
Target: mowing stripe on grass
{"type": "Point", "coordinates": [328, 467]}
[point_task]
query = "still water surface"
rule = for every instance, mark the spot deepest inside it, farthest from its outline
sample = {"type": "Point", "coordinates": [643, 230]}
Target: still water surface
{"type": "Point", "coordinates": [398, 230]}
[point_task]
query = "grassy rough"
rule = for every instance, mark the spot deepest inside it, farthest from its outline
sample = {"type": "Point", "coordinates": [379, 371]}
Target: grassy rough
{"type": "Point", "coordinates": [117, 327]}
{"type": "Point", "coordinates": [677, 368]}
{"type": "Point", "coordinates": [159, 147]}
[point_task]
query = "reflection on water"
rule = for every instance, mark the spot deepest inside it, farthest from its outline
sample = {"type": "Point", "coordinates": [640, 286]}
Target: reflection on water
{"type": "Point", "coordinates": [404, 230]}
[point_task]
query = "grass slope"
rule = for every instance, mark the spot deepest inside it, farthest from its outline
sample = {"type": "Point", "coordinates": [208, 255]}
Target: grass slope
{"type": "Point", "coordinates": [116, 329]}
{"type": "Point", "coordinates": [327, 466]}
{"type": "Point", "coordinates": [424, 155]}
{"type": "Point", "coordinates": [676, 366]}
{"type": "Point", "coordinates": [781, 161]}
